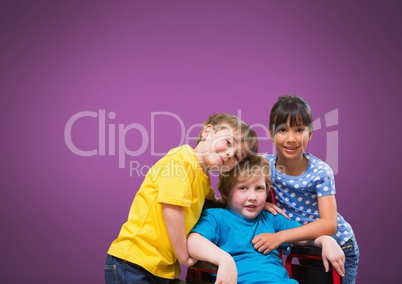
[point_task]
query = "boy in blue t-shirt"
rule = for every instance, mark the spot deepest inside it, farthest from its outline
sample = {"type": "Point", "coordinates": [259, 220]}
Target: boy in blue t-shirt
{"type": "Point", "coordinates": [223, 236]}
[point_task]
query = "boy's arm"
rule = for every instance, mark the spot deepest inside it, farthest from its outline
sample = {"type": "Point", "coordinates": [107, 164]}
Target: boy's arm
{"type": "Point", "coordinates": [201, 248]}
{"type": "Point", "coordinates": [331, 252]}
{"type": "Point", "coordinates": [175, 226]}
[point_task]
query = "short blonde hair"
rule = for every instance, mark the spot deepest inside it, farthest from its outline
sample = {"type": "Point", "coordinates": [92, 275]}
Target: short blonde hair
{"type": "Point", "coordinates": [224, 121]}
{"type": "Point", "coordinates": [244, 171]}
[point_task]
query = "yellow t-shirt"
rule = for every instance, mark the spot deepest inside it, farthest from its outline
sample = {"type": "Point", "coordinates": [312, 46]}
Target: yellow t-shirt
{"type": "Point", "coordinates": [176, 179]}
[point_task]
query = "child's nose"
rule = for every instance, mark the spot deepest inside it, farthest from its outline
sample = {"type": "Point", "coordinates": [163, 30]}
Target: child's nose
{"type": "Point", "coordinates": [230, 152]}
{"type": "Point", "coordinates": [252, 195]}
{"type": "Point", "coordinates": [291, 136]}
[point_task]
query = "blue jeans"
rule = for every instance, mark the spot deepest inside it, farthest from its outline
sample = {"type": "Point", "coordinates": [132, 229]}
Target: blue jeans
{"type": "Point", "coordinates": [352, 254]}
{"type": "Point", "coordinates": [118, 271]}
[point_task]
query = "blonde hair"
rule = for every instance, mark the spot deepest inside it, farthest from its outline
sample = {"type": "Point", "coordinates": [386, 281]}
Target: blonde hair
{"type": "Point", "coordinates": [248, 170]}
{"type": "Point", "coordinates": [226, 121]}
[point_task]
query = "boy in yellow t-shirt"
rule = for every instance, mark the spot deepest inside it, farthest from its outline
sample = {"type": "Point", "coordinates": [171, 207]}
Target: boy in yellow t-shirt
{"type": "Point", "coordinates": [152, 242]}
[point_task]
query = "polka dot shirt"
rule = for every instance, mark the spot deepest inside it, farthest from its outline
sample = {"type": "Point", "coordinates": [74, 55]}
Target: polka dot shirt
{"type": "Point", "coordinates": [298, 196]}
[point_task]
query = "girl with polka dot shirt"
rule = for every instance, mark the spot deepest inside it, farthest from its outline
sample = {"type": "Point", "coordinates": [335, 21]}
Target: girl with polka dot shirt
{"type": "Point", "coordinates": [304, 185]}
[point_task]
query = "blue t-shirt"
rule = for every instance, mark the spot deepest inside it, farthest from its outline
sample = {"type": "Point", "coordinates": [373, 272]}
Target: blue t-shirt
{"type": "Point", "coordinates": [233, 233]}
{"type": "Point", "coordinates": [298, 196]}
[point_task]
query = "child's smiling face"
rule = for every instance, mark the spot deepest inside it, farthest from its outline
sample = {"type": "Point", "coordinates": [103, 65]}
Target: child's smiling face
{"type": "Point", "coordinates": [221, 150]}
{"type": "Point", "coordinates": [291, 141]}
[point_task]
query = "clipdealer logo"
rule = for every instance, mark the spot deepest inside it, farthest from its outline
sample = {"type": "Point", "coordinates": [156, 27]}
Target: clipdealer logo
{"type": "Point", "coordinates": [112, 136]}
{"type": "Point", "coordinates": [107, 132]}
{"type": "Point", "coordinates": [332, 138]}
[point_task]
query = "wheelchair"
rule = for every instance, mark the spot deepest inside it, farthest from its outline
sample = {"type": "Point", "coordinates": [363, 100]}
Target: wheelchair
{"type": "Point", "coordinates": [305, 273]}
{"type": "Point", "coordinates": [308, 269]}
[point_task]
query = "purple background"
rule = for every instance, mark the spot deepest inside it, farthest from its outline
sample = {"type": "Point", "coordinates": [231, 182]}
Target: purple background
{"type": "Point", "coordinates": [60, 211]}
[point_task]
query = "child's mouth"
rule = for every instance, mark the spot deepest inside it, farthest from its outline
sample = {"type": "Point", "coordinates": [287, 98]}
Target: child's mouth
{"type": "Point", "coordinates": [223, 161]}
{"type": "Point", "coordinates": [290, 148]}
{"type": "Point", "coordinates": [251, 206]}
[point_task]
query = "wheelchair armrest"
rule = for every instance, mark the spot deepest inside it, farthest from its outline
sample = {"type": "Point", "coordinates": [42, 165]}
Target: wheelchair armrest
{"type": "Point", "coordinates": [306, 250]}
{"type": "Point", "coordinates": [204, 266]}
{"type": "Point", "coordinates": [201, 273]}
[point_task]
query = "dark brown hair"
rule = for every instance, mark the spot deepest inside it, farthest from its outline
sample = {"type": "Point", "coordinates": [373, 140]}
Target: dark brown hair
{"type": "Point", "coordinates": [292, 108]}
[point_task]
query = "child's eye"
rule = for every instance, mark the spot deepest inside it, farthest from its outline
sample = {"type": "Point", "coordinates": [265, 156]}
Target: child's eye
{"type": "Point", "coordinates": [260, 188]}
{"type": "Point", "coordinates": [228, 142]}
{"type": "Point", "coordinates": [281, 130]}
{"type": "Point", "coordinates": [236, 157]}
{"type": "Point", "coordinates": [300, 129]}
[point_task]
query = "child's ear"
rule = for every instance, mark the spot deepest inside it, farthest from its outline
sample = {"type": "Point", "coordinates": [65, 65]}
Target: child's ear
{"type": "Point", "coordinates": [208, 129]}
{"type": "Point", "coordinates": [271, 136]}
{"type": "Point", "coordinates": [310, 135]}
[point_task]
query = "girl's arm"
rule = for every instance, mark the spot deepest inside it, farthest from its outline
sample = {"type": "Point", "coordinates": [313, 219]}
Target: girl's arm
{"type": "Point", "coordinates": [331, 253]}
{"type": "Point", "coordinates": [326, 225]}
{"type": "Point", "coordinates": [175, 226]}
{"type": "Point", "coordinates": [203, 249]}
{"type": "Point", "coordinates": [273, 209]}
